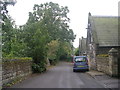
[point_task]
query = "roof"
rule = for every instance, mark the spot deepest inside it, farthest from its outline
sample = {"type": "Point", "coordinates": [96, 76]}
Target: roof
{"type": "Point", "coordinates": [104, 30]}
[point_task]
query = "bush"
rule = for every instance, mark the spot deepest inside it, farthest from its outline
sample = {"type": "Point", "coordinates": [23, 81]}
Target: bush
{"type": "Point", "coordinates": [53, 61]}
{"type": "Point", "coordinates": [69, 59]}
{"type": "Point", "coordinates": [38, 68]}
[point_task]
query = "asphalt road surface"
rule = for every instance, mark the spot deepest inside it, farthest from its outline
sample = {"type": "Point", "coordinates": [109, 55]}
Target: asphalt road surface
{"type": "Point", "coordinates": [60, 76]}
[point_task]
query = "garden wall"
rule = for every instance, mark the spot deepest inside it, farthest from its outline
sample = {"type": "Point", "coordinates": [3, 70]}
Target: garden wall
{"type": "Point", "coordinates": [15, 68]}
{"type": "Point", "coordinates": [108, 64]}
{"type": "Point", "coordinates": [103, 64]}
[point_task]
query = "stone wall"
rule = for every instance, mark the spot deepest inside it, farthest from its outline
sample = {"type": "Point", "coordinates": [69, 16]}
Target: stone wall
{"type": "Point", "coordinates": [113, 62]}
{"type": "Point", "coordinates": [14, 68]}
{"type": "Point", "coordinates": [108, 65]}
{"type": "Point", "coordinates": [103, 64]}
{"type": "Point", "coordinates": [92, 56]}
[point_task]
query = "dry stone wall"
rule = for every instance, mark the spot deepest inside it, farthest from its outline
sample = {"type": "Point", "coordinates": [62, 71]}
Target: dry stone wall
{"type": "Point", "coordinates": [14, 68]}
{"type": "Point", "coordinates": [108, 65]}
{"type": "Point", "coordinates": [103, 64]}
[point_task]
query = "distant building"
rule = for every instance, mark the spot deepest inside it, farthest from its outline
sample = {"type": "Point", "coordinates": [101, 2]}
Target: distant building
{"type": "Point", "coordinates": [82, 46]}
{"type": "Point", "coordinates": [102, 35]}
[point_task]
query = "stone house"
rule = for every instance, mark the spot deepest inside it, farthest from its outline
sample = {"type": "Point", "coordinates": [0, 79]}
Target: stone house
{"type": "Point", "coordinates": [102, 35]}
{"type": "Point", "coordinates": [82, 46]}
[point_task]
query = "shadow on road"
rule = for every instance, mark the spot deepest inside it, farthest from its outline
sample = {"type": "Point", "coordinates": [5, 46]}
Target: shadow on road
{"type": "Point", "coordinates": [81, 71]}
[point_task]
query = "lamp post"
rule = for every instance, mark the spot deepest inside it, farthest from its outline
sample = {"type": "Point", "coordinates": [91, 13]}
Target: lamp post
{"type": "Point", "coordinates": [3, 4]}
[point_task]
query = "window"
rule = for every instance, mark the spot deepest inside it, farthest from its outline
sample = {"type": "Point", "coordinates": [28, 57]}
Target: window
{"type": "Point", "coordinates": [80, 59]}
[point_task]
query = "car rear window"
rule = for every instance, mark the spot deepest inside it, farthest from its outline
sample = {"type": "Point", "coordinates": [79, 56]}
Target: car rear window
{"type": "Point", "coordinates": [80, 59]}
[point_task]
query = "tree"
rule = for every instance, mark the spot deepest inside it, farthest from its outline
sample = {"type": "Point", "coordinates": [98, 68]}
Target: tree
{"type": "Point", "coordinates": [53, 47]}
{"type": "Point", "coordinates": [12, 42]}
{"type": "Point", "coordinates": [7, 34]}
{"type": "Point", "coordinates": [77, 52]}
{"type": "Point", "coordinates": [7, 27]}
{"type": "Point", "coordinates": [47, 28]}
{"type": "Point", "coordinates": [55, 19]}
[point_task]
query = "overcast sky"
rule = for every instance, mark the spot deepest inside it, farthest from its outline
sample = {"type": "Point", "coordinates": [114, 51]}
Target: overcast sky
{"type": "Point", "coordinates": [78, 14]}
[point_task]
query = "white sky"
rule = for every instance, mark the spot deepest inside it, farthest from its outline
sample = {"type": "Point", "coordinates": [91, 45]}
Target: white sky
{"type": "Point", "coordinates": [78, 14]}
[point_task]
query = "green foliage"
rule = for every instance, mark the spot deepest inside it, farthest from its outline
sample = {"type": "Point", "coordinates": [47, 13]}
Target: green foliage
{"type": "Point", "coordinates": [54, 21]}
{"type": "Point", "coordinates": [12, 44]}
{"type": "Point", "coordinates": [65, 50]}
{"type": "Point", "coordinates": [77, 52]}
{"type": "Point", "coordinates": [53, 47]}
{"type": "Point", "coordinates": [48, 34]}
{"type": "Point", "coordinates": [18, 59]}
{"type": "Point", "coordinates": [45, 35]}
{"type": "Point", "coordinates": [69, 59]}
{"type": "Point", "coordinates": [39, 67]}
{"type": "Point", "coordinates": [103, 55]}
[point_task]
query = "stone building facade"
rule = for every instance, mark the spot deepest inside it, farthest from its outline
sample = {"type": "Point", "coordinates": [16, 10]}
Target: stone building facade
{"type": "Point", "coordinates": [82, 46]}
{"type": "Point", "coordinates": [102, 35]}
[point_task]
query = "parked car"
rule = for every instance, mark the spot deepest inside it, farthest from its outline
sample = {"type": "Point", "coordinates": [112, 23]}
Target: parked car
{"type": "Point", "coordinates": [80, 63]}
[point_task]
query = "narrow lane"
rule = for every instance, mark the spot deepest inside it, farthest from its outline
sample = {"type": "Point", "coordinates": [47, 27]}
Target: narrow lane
{"type": "Point", "coordinates": [60, 76]}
